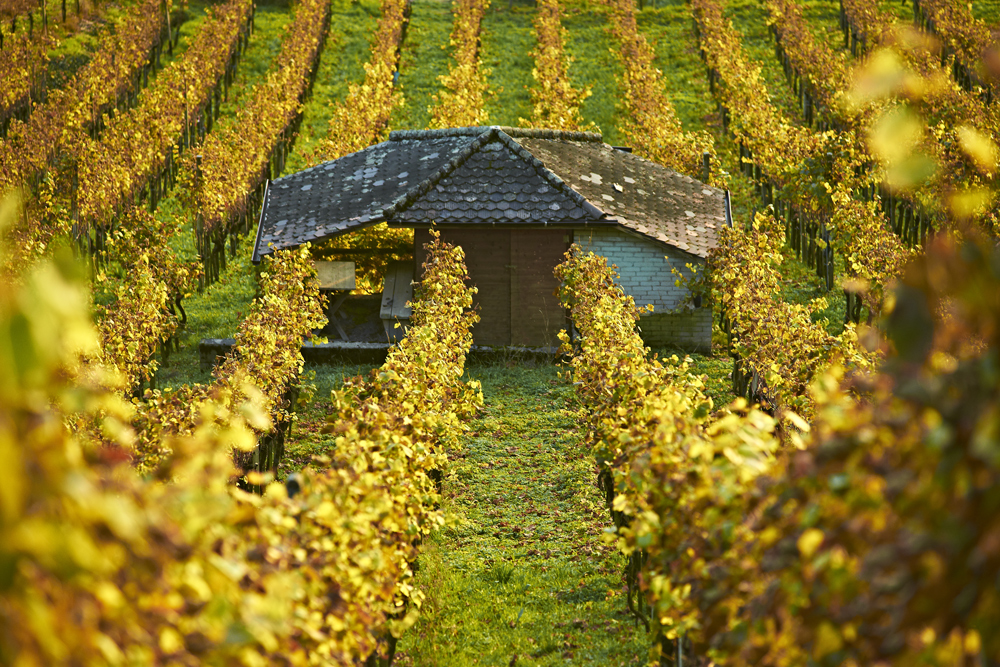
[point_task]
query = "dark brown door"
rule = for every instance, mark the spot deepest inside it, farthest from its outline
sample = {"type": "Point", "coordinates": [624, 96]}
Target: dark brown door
{"type": "Point", "coordinates": [517, 299]}
{"type": "Point", "coordinates": [535, 312]}
{"type": "Point", "coordinates": [487, 256]}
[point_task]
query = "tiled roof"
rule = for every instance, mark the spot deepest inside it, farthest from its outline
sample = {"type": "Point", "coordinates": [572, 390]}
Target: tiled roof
{"type": "Point", "coordinates": [490, 176]}
{"type": "Point", "coordinates": [643, 196]}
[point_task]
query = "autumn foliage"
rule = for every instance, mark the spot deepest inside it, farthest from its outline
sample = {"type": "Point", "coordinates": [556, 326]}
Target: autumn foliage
{"type": "Point", "coordinates": [556, 102]}
{"type": "Point", "coordinates": [224, 183]}
{"type": "Point", "coordinates": [362, 119]}
{"type": "Point", "coordinates": [863, 537]}
{"type": "Point", "coordinates": [778, 340]}
{"type": "Point", "coordinates": [136, 147]}
{"type": "Point", "coordinates": [651, 125]}
{"type": "Point", "coordinates": [23, 61]}
{"type": "Point", "coordinates": [110, 78]}
{"type": "Point", "coordinates": [462, 102]}
{"type": "Point", "coordinates": [818, 177]}
{"type": "Point", "coordinates": [674, 472]}
{"type": "Point", "coordinates": [101, 565]}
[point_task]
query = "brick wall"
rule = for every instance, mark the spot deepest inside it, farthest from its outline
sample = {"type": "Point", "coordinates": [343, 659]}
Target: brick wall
{"type": "Point", "coordinates": [645, 270]}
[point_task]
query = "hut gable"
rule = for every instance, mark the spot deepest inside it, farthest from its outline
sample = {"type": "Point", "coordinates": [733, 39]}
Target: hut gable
{"type": "Point", "coordinates": [491, 176]}
{"type": "Point", "coordinates": [496, 182]}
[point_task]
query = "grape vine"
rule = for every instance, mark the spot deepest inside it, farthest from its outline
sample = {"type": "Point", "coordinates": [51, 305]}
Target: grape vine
{"type": "Point", "coordinates": [226, 180]}
{"type": "Point", "coordinates": [965, 36]}
{"type": "Point", "coordinates": [666, 462]}
{"type": "Point", "coordinates": [817, 73]}
{"type": "Point", "coordinates": [138, 149]}
{"type": "Point", "coordinates": [651, 125]}
{"type": "Point", "coordinates": [362, 119]}
{"type": "Point", "coordinates": [807, 176]}
{"type": "Point", "coordinates": [193, 570]}
{"type": "Point", "coordinates": [24, 62]}
{"type": "Point", "coordinates": [462, 102]}
{"type": "Point", "coordinates": [759, 542]}
{"type": "Point", "coordinates": [556, 103]}
{"type": "Point", "coordinates": [128, 53]}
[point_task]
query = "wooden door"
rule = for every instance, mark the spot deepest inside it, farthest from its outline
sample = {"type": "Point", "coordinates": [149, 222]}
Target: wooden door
{"type": "Point", "coordinates": [512, 269]}
{"type": "Point", "coordinates": [536, 314]}
{"type": "Point", "coordinates": [487, 256]}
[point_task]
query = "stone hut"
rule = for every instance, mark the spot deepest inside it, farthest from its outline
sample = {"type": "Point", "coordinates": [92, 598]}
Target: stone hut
{"type": "Point", "coordinates": [515, 199]}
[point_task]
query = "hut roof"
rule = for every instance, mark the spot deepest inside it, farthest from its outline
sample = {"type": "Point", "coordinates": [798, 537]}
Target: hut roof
{"type": "Point", "coordinates": [491, 176]}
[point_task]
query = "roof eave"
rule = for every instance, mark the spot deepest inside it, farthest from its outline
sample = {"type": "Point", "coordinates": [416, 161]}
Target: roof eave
{"type": "Point", "coordinates": [549, 224]}
{"type": "Point", "coordinates": [370, 223]}
{"type": "Point", "coordinates": [256, 256]}
{"type": "Point", "coordinates": [661, 242]}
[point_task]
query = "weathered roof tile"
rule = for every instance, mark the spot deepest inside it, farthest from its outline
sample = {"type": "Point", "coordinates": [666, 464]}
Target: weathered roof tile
{"type": "Point", "coordinates": [488, 175]}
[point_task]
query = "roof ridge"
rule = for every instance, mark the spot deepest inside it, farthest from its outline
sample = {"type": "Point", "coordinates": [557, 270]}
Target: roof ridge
{"type": "Point", "coordinates": [524, 132]}
{"type": "Point", "coordinates": [423, 187]}
{"type": "Point", "coordinates": [550, 175]}
{"type": "Point", "coordinates": [488, 134]}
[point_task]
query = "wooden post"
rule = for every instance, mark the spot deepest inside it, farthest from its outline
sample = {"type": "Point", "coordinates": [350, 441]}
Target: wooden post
{"type": "Point", "coordinates": [199, 230]}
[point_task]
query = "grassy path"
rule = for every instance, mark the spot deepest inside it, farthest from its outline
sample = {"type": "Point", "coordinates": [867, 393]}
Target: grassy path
{"type": "Point", "coordinates": [594, 66]}
{"type": "Point", "coordinates": [823, 18]}
{"type": "Point", "coordinates": [424, 59]}
{"type": "Point", "coordinates": [987, 10]}
{"type": "Point", "coordinates": [521, 576]}
{"type": "Point", "coordinates": [750, 20]}
{"type": "Point", "coordinates": [269, 23]}
{"type": "Point", "coordinates": [507, 42]}
{"type": "Point", "coordinates": [347, 48]}
{"type": "Point", "coordinates": [669, 29]}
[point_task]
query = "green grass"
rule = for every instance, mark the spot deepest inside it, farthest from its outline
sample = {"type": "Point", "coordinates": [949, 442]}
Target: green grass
{"type": "Point", "coordinates": [77, 39]}
{"type": "Point", "coordinates": [194, 17]}
{"type": "Point", "coordinates": [594, 66]}
{"type": "Point", "coordinates": [902, 11]}
{"type": "Point", "coordinates": [215, 313]}
{"type": "Point", "coordinates": [521, 570]}
{"type": "Point", "coordinates": [425, 58]}
{"type": "Point", "coordinates": [987, 10]}
{"type": "Point", "coordinates": [270, 21]}
{"type": "Point", "coordinates": [823, 18]}
{"type": "Point", "coordinates": [716, 369]}
{"type": "Point", "coordinates": [341, 64]}
{"type": "Point", "coordinates": [750, 20]}
{"type": "Point", "coordinates": [670, 31]}
{"type": "Point", "coordinates": [507, 41]}
{"type": "Point", "coordinates": [800, 285]}
{"type": "Point", "coordinates": [305, 440]}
